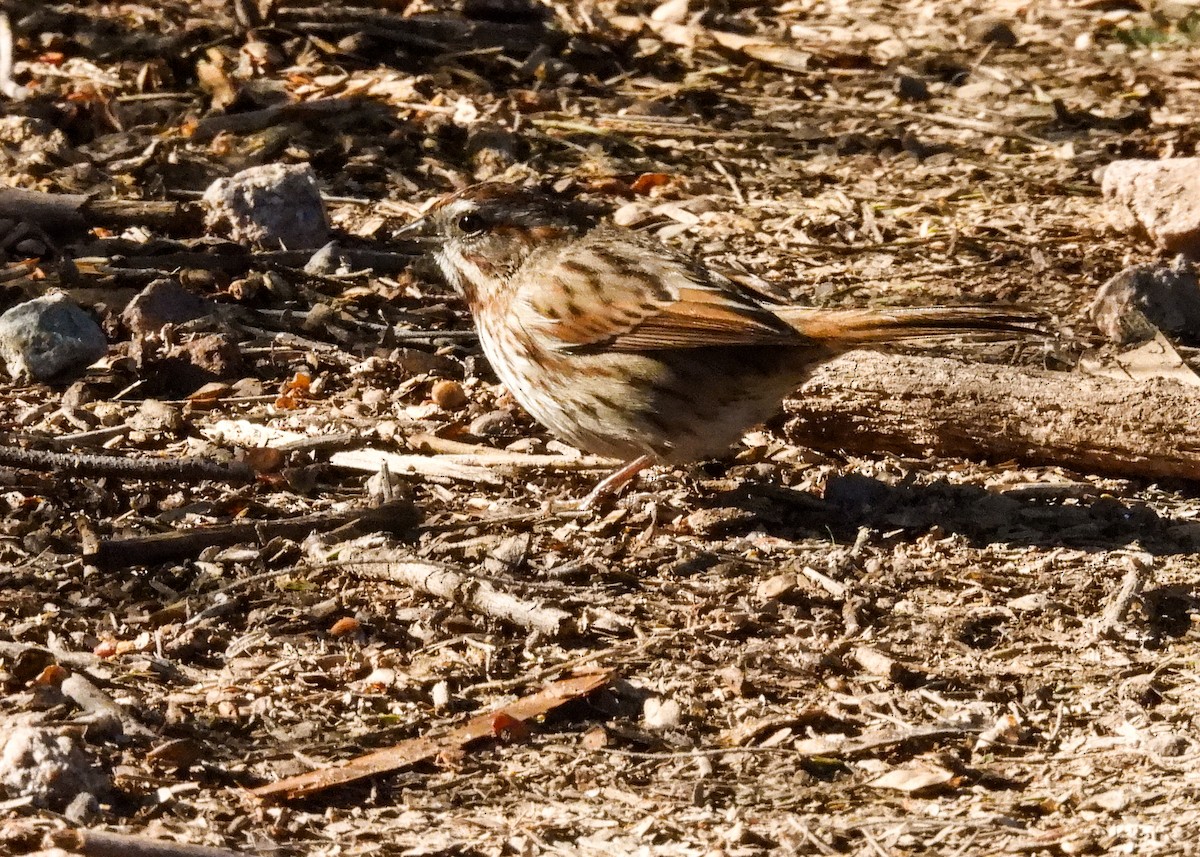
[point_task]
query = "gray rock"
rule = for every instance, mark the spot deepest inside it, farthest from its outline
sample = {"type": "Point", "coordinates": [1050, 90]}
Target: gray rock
{"type": "Point", "coordinates": [34, 139]}
{"type": "Point", "coordinates": [273, 206]}
{"type": "Point", "coordinates": [49, 338]}
{"type": "Point", "coordinates": [48, 765]}
{"type": "Point", "coordinates": [911, 88]}
{"type": "Point", "coordinates": [162, 302]}
{"type": "Point", "coordinates": [1139, 300]}
{"type": "Point", "coordinates": [1161, 198]}
{"type": "Point", "coordinates": [994, 31]}
{"type": "Point", "coordinates": [156, 416]}
{"type": "Point", "coordinates": [327, 260]}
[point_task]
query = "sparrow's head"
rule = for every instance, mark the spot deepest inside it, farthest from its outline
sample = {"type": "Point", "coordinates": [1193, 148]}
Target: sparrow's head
{"type": "Point", "coordinates": [484, 234]}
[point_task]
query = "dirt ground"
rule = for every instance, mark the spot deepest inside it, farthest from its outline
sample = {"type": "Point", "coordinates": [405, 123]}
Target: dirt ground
{"type": "Point", "coordinates": [810, 653]}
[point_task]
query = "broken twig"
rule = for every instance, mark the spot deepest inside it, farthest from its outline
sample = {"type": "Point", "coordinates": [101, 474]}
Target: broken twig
{"type": "Point", "coordinates": [452, 584]}
{"type": "Point", "coordinates": [408, 753]}
{"type": "Point", "coordinates": [132, 467]}
{"type": "Point", "coordinates": [101, 843]}
{"type": "Point", "coordinates": [160, 547]}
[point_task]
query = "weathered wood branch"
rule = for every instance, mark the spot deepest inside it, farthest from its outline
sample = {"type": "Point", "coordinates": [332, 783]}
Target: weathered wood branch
{"type": "Point", "coordinates": [101, 843]}
{"type": "Point", "coordinates": [865, 402]}
{"type": "Point", "coordinates": [456, 585]}
{"type": "Point", "coordinates": [396, 516]}
{"type": "Point", "coordinates": [125, 467]}
{"type": "Point", "coordinates": [422, 33]}
{"type": "Point", "coordinates": [505, 719]}
{"type": "Point", "coordinates": [58, 212]}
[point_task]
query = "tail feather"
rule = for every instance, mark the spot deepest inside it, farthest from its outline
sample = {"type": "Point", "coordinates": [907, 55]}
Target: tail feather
{"type": "Point", "coordinates": [852, 326]}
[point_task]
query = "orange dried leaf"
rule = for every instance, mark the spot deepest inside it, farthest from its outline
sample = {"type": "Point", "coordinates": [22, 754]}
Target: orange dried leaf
{"type": "Point", "coordinates": [646, 182]}
{"type": "Point", "coordinates": [51, 676]}
{"type": "Point", "coordinates": [264, 459]}
{"type": "Point", "coordinates": [610, 187]}
{"type": "Point", "coordinates": [299, 382]}
{"type": "Point", "coordinates": [508, 728]}
{"type": "Point", "coordinates": [345, 625]}
{"type": "Point", "coordinates": [86, 95]}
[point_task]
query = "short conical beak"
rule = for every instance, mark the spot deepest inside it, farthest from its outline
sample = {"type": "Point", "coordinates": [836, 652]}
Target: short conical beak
{"type": "Point", "coordinates": [422, 229]}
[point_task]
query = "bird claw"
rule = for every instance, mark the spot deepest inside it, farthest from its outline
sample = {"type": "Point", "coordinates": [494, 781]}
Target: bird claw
{"type": "Point", "coordinates": [612, 485]}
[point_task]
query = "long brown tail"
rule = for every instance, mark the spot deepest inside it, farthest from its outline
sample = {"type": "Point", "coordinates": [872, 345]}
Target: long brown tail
{"type": "Point", "coordinates": [852, 326]}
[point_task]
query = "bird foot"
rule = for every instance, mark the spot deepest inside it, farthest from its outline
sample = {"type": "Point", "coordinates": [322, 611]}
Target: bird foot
{"type": "Point", "coordinates": [612, 485]}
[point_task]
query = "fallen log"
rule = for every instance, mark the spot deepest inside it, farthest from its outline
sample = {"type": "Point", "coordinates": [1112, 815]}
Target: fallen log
{"type": "Point", "coordinates": [865, 402]}
{"type": "Point", "coordinates": [66, 212]}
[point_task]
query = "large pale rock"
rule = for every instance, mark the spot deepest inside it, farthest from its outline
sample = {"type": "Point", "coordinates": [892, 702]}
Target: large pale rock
{"type": "Point", "coordinates": [49, 766]}
{"type": "Point", "coordinates": [1161, 198]}
{"type": "Point", "coordinates": [49, 338]}
{"type": "Point", "coordinates": [274, 207]}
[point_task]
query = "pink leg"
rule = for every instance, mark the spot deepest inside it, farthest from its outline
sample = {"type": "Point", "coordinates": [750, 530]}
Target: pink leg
{"type": "Point", "coordinates": [612, 484]}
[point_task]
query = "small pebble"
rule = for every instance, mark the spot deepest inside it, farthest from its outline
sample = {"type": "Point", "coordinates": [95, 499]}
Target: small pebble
{"type": "Point", "coordinates": [164, 301]}
{"type": "Point", "coordinates": [492, 423]}
{"type": "Point", "coordinates": [661, 714]}
{"type": "Point", "coordinates": [109, 414]}
{"type": "Point", "coordinates": [154, 415]}
{"type": "Point", "coordinates": [440, 695]}
{"type": "Point", "coordinates": [1141, 299]}
{"type": "Point", "coordinates": [374, 397]}
{"type": "Point", "coordinates": [910, 88]}
{"type": "Point", "coordinates": [987, 30]}
{"type": "Point", "coordinates": [1160, 198]}
{"type": "Point", "coordinates": [47, 765]}
{"type": "Point", "coordinates": [448, 395]}
{"type": "Point", "coordinates": [30, 247]}
{"type": "Point", "coordinates": [319, 317]}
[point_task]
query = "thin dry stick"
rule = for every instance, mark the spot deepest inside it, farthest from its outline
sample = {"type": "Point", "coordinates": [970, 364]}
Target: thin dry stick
{"type": "Point", "coordinates": [431, 466]}
{"type": "Point", "coordinates": [74, 660]}
{"type": "Point", "coordinates": [133, 467]}
{"type": "Point", "coordinates": [100, 843]}
{"type": "Point", "coordinates": [479, 466]}
{"type": "Point", "coordinates": [160, 547]}
{"type": "Point", "coordinates": [239, 260]}
{"type": "Point", "coordinates": [414, 750]}
{"type": "Point", "coordinates": [258, 120]}
{"type": "Point", "coordinates": [57, 211]}
{"type": "Point", "coordinates": [822, 747]}
{"type": "Point", "coordinates": [455, 585]}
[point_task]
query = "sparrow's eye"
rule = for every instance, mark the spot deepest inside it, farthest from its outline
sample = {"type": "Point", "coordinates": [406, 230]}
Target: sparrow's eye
{"type": "Point", "coordinates": [471, 224]}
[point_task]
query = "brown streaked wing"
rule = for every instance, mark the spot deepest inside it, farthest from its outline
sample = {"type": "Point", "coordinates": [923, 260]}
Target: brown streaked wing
{"type": "Point", "coordinates": [635, 301]}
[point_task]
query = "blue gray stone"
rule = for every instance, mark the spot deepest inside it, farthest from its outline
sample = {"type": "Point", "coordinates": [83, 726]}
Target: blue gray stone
{"type": "Point", "coordinates": [49, 338]}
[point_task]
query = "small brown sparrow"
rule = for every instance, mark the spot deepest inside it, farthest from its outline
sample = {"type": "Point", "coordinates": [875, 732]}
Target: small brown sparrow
{"type": "Point", "coordinates": [625, 348]}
